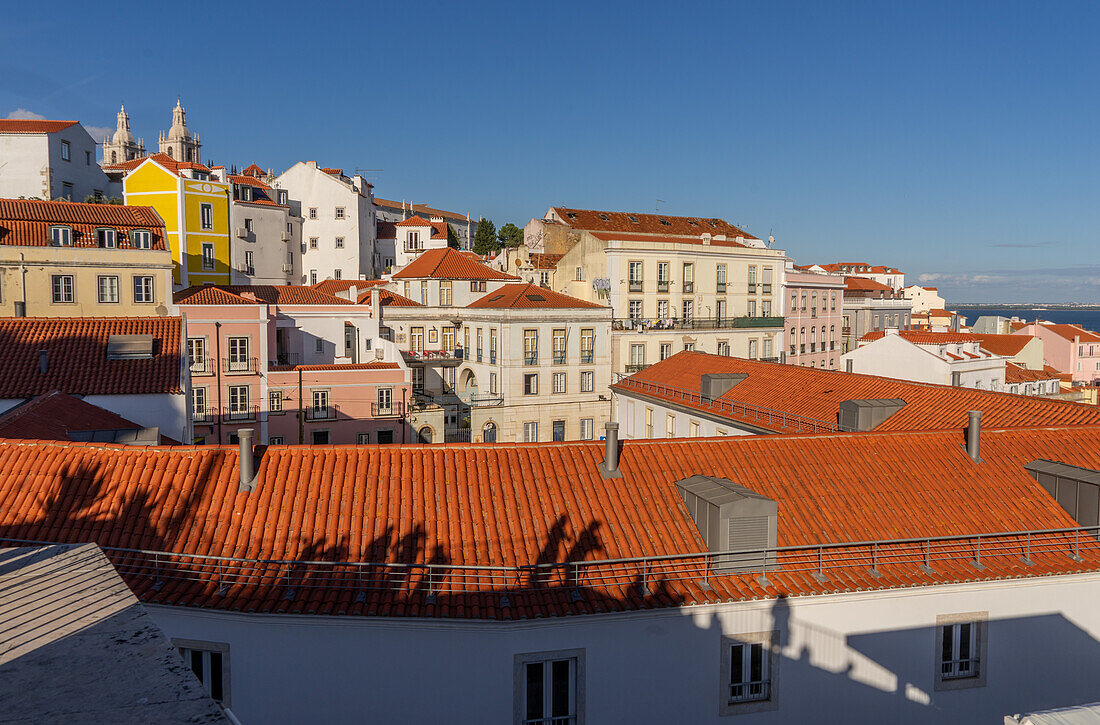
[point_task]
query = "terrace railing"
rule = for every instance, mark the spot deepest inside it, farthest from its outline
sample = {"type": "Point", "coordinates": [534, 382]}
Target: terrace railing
{"type": "Point", "coordinates": [823, 562]}
{"type": "Point", "coordinates": [766, 417]}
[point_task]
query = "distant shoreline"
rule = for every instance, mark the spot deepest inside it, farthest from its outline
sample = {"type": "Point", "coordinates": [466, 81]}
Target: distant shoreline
{"type": "Point", "coordinates": [1027, 306]}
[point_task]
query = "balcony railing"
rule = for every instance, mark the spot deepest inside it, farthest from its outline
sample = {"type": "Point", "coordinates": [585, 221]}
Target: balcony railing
{"type": "Point", "coordinates": [238, 414]}
{"type": "Point", "coordinates": [239, 365]}
{"type": "Point", "coordinates": [766, 417]}
{"type": "Point", "coordinates": [326, 412]}
{"type": "Point", "coordinates": [696, 323]}
{"type": "Point", "coordinates": [479, 355]}
{"type": "Point", "coordinates": [288, 358]}
{"type": "Point", "coordinates": [559, 358]}
{"type": "Point", "coordinates": [434, 356]}
{"type": "Point", "coordinates": [395, 409]}
{"type": "Point", "coordinates": [689, 287]}
{"type": "Point", "coordinates": [530, 358]}
{"type": "Point", "coordinates": [721, 287]}
{"type": "Point", "coordinates": [636, 367]}
{"type": "Point", "coordinates": [492, 357]}
{"type": "Point", "coordinates": [486, 401]}
{"type": "Point", "coordinates": [203, 416]}
{"type": "Point", "coordinates": [662, 285]}
{"type": "Point", "coordinates": [203, 366]}
{"type": "Point", "coordinates": [832, 565]}
{"type": "Point", "coordinates": [752, 288]}
{"type": "Point", "coordinates": [635, 285]}
{"type": "Point", "coordinates": [587, 356]}
{"type": "Point", "coordinates": [769, 359]}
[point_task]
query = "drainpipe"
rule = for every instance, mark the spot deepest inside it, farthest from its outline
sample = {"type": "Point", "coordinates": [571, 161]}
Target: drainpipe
{"type": "Point", "coordinates": [301, 412]}
{"type": "Point", "coordinates": [218, 367]}
{"type": "Point", "coordinates": [23, 283]}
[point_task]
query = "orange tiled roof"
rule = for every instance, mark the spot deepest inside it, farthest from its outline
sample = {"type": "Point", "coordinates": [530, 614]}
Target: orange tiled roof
{"type": "Point", "coordinates": [419, 209]}
{"type": "Point", "coordinates": [164, 160]}
{"type": "Point", "coordinates": [629, 237]}
{"type": "Point", "coordinates": [208, 294]}
{"type": "Point", "coordinates": [522, 504]}
{"type": "Point", "coordinates": [388, 298]}
{"type": "Point", "coordinates": [449, 263]}
{"type": "Point", "coordinates": [374, 365]}
{"type": "Point", "coordinates": [921, 337]}
{"type": "Point", "coordinates": [820, 392]}
{"type": "Point", "coordinates": [1006, 345]}
{"type": "Point", "coordinates": [20, 125]}
{"type": "Point", "coordinates": [1071, 331]}
{"type": "Point", "coordinates": [413, 221]}
{"type": "Point", "coordinates": [247, 180]}
{"type": "Point", "coordinates": [545, 261]}
{"type": "Point", "coordinates": [1017, 374]}
{"type": "Point", "coordinates": [53, 415]}
{"type": "Point", "coordinates": [253, 170]}
{"type": "Point", "coordinates": [272, 294]}
{"type": "Point", "coordinates": [530, 296]}
{"type": "Point", "coordinates": [26, 222]}
{"type": "Point", "coordinates": [663, 224]}
{"type": "Point", "coordinates": [863, 284]}
{"type": "Point", "coordinates": [332, 286]}
{"type": "Point", "coordinates": [76, 356]}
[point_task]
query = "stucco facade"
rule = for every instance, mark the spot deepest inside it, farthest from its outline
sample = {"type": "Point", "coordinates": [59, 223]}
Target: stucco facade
{"type": "Point", "coordinates": [814, 319]}
{"type": "Point", "coordinates": [1069, 348]}
{"type": "Point", "coordinates": [50, 160]}
{"type": "Point", "coordinates": [959, 363]}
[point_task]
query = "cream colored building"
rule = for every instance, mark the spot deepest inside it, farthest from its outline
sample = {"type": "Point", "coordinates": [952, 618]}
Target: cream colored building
{"type": "Point", "coordinates": [67, 259]}
{"type": "Point", "coordinates": [496, 359]}
{"type": "Point", "coordinates": [674, 283]}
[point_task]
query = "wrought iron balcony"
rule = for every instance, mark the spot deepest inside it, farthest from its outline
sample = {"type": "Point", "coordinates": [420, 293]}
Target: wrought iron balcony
{"type": "Point", "coordinates": [203, 366]}
{"type": "Point", "coordinates": [327, 412]}
{"type": "Point", "coordinates": [395, 409]}
{"type": "Point", "coordinates": [636, 367]}
{"type": "Point", "coordinates": [696, 323]}
{"type": "Point", "coordinates": [246, 365]}
{"type": "Point", "coordinates": [530, 358]}
{"type": "Point", "coordinates": [662, 285]}
{"type": "Point", "coordinates": [689, 287]}
{"type": "Point", "coordinates": [203, 416]}
{"type": "Point", "coordinates": [721, 287]}
{"type": "Point", "coordinates": [239, 414]}
{"type": "Point", "coordinates": [635, 285]}
{"type": "Point", "coordinates": [559, 358]}
{"type": "Point", "coordinates": [434, 357]}
{"type": "Point", "coordinates": [587, 356]}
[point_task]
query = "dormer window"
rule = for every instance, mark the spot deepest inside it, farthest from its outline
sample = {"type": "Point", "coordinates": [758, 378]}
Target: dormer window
{"type": "Point", "coordinates": [141, 239]}
{"type": "Point", "coordinates": [605, 217]}
{"type": "Point", "coordinates": [282, 198]}
{"type": "Point", "coordinates": [245, 193]}
{"type": "Point", "coordinates": [107, 238]}
{"type": "Point", "coordinates": [61, 236]}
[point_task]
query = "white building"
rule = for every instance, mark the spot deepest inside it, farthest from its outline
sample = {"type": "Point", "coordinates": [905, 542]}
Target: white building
{"type": "Point", "coordinates": [50, 160]}
{"type": "Point", "coordinates": [656, 581]}
{"type": "Point", "coordinates": [267, 231]}
{"type": "Point", "coordinates": [338, 223]}
{"type": "Point", "coordinates": [946, 358]}
{"type": "Point", "coordinates": [925, 299]}
{"type": "Point", "coordinates": [496, 359]}
{"type": "Point", "coordinates": [464, 225]}
{"type": "Point", "coordinates": [416, 235]}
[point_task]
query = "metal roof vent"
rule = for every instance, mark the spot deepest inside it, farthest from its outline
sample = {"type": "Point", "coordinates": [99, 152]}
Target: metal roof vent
{"type": "Point", "coordinates": [732, 518]}
{"type": "Point", "coordinates": [867, 414]}
{"type": "Point", "coordinates": [713, 386]}
{"type": "Point", "coordinates": [129, 347]}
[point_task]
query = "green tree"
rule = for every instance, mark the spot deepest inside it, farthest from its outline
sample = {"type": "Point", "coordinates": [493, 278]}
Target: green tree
{"type": "Point", "coordinates": [485, 238]}
{"type": "Point", "coordinates": [452, 237]}
{"type": "Point", "coordinates": [510, 235]}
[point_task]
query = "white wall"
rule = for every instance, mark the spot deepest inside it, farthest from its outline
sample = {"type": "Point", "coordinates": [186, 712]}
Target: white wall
{"type": "Point", "coordinates": [630, 414]}
{"type": "Point", "coordinates": [167, 411]}
{"type": "Point", "coordinates": [861, 657]}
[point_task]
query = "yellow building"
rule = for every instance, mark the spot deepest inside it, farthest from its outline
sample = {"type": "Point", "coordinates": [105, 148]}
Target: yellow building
{"type": "Point", "coordinates": [65, 259]}
{"type": "Point", "coordinates": [195, 209]}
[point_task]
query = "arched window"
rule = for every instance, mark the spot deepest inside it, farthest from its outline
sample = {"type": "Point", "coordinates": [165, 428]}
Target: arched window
{"type": "Point", "coordinates": [489, 432]}
{"type": "Point", "coordinates": [424, 435]}
{"type": "Point", "coordinates": [169, 152]}
{"type": "Point", "coordinates": [114, 157]}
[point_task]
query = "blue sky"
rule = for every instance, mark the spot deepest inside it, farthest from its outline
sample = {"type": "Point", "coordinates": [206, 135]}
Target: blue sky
{"type": "Point", "coordinates": [956, 141]}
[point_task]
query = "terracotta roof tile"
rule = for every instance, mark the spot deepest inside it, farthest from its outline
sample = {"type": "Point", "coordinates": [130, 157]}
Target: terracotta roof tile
{"type": "Point", "coordinates": [530, 296]}
{"type": "Point", "coordinates": [163, 160]}
{"type": "Point", "coordinates": [247, 180]}
{"type": "Point", "coordinates": [272, 294]}
{"type": "Point", "coordinates": [76, 356]}
{"type": "Point", "coordinates": [1017, 374]}
{"type": "Point", "coordinates": [19, 125]}
{"type": "Point", "coordinates": [921, 337]}
{"type": "Point", "coordinates": [517, 505]}
{"type": "Point", "coordinates": [253, 170]}
{"type": "Point", "coordinates": [419, 209]}
{"type": "Point", "coordinates": [628, 237]}
{"type": "Point", "coordinates": [1069, 332]}
{"type": "Point", "coordinates": [385, 230]}
{"type": "Point", "coordinates": [209, 294]}
{"type": "Point", "coordinates": [332, 286]}
{"type": "Point", "coordinates": [414, 221]}
{"type": "Point", "coordinates": [862, 284]}
{"type": "Point", "coordinates": [26, 222]}
{"type": "Point", "coordinates": [545, 261]}
{"type": "Point", "coordinates": [662, 224]}
{"type": "Point", "coordinates": [1006, 345]}
{"type": "Point", "coordinates": [53, 415]}
{"type": "Point", "coordinates": [770, 385]}
{"type": "Point", "coordinates": [449, 263]}
{"type": "Point", "coordinates": [388, 298]}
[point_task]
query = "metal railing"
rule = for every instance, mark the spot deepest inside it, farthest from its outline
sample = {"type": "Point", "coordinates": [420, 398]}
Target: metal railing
{"type": "Point", "coordinates": [689, 287]}
{"type": "Point", "coordinates": [327, 412]}
{"type": "Point", "coordinates": [765, 417]}
{"type": "Point", "coordinates": [694, 323]}
{"type": "Point", "coordinates": [558, 358]}
{"type": "Point", "coordinates": [239, 365]}
{"type": "Point", "coordinates": [203, 366]}
{"type": "Point", "coordinates": [587, 356]}
{"type": "Point", "coordinates": [635, 285]}
{"type": "Point", "coordinates": [636, 367]}
{"type": "Point", "coordinates": [395, 409]}
{"type": "Point", "coordinates": [530, 358]}
{"type": "Point", "coordinates": [486, 401]}
{"type": "Point", "coordinates": [434, 355]}
{"type": "Point", "coordinates": [236, 415]}
{"type": "Point", "coordinates": [720, 287]}
{"type": "Point", "coordinates": [662, 285]}
{"type": "Point", "coordinates": [917, 557]}
{"type": "Point", "coordinates": [288, 358]}
{"type": "Point", "coordinates": [204, 416]}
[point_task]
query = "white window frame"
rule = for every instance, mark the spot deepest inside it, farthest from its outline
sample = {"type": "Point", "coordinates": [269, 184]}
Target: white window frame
{"type": "Point", "coordinates": [106, 238]}
{"type": "Point", "coordinates": [143, 284]}
{"type": "Point", "coordinates": [66, 151]}
{"type": "Point", "coordinates": [206, 216]}
{"type": "Point", "coordinates": [208, 259]}
{"type": "Point", "coordinates": [362, 439]}
{"type": "Point", "coordinates": [532, 389]}
{"type": "Point", "coordinates": [141, 239]}
{"type": "Point", "coordinates": [109, 299]}
{"type": "Point", "coordinates": [58, 239]}
{"type": "Point", "coordinates": [274, 401]}
{"type": "Point", "coordinates": [339, 243]}
{"type": "Point", "coordinates": [954, 675]}
{"type": "Point", "coordinates": [741, 695]}
{"type": "Point", "coordinates": [576, 660]}
{"type": "Point", "coordinates": [67, 289]}
{"type": "Point", "coordinates": [587, 426]}
{"type": "Point", "coordinates": [531, 431]}
{"type": "Point", "coordinates": [196, 363]}
{"type": "Point", "coordinates": [238, 401]}
{"type": "Point", "coordinates": [558, 383]}
{"type": "Point", "coordinates": [588, 381]}
{"type": "Point", "coordinates": [338, 212]}
{"type": "Point", "coordinates": [207, 649]}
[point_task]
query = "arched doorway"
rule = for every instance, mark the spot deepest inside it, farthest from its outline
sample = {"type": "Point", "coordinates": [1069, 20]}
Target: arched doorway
{"type": "Point", "coordinates": [489, 432]}
{"type": "Point", "coordinates": [469, 383]}
{"type": "Point", "coordinates": [424, 435]}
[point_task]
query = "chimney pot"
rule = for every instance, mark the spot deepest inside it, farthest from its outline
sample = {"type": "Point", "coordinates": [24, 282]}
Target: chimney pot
{"type": "Point", "coordinates": [244, 435]}
{"type": "Point", "coordinates": [610, 466]}
{"type": "Point", "coordinates": [974, 435]}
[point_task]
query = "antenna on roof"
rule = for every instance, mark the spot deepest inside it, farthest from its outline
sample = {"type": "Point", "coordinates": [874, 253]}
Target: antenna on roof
{"type": "Point", "coordinates": [656, 204]}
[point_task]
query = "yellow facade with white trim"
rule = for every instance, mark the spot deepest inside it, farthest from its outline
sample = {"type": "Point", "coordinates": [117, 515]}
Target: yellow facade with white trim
{"type": "Point", "coordinates": [180, 201]}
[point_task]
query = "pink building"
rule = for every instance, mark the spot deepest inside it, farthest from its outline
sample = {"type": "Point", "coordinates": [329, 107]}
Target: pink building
{"type": "Point", "coordinates": [1069, 348]}
{"type": "Point", "coordinates": [815, 315]}
{"type": "Point", "coordinates": [295, 364]}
